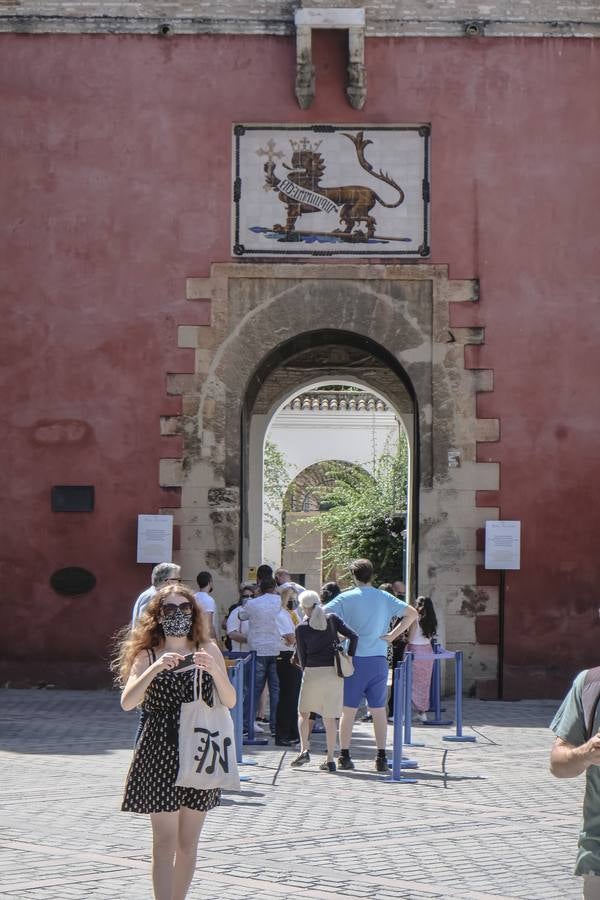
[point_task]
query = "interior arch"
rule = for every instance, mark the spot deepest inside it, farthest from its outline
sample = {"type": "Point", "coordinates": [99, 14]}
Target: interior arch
{"type": "Point", "coordinates": [318, 358]}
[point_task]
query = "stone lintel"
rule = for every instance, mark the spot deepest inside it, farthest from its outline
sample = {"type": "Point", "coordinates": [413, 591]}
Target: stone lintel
{"type": "Point", "coordinates": [331, 17]}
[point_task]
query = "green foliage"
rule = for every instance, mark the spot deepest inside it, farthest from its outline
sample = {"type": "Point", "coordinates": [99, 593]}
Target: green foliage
{"type": "Point", "coordinates": [276, 480]}
{"type": "Point", "coordinates": [364, 515]}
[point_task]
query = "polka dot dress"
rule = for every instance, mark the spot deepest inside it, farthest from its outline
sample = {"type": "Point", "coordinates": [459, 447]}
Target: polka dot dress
{"type": "Point", "coordinates": [150, 785]}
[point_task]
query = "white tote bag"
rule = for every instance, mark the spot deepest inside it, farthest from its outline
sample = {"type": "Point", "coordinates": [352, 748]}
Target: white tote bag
{"type": "Point", "coordinates": [206, 744]}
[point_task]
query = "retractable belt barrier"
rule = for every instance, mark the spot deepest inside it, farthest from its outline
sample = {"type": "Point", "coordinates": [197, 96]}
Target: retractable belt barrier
{"type": "Point", "coordinates": [236, 676]}
{"type": "Point", "coordinates": [248, 657]}
{"type": "Point", "coordinates": [436, 676]}
{"type": "Point", "coordinates": [398, 761]}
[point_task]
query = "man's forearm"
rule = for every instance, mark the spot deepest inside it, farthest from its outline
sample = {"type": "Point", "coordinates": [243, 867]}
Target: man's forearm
{"type": "Point", "coordinates": [404, 624]}
{"type": "Point", "coordinates": [567, 761]}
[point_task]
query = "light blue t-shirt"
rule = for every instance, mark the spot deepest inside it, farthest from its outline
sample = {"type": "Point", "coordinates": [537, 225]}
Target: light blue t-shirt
{"type": "Point", "coordinates": [368, 611]}
{"type": "Point", "coordinates": [141, 603]}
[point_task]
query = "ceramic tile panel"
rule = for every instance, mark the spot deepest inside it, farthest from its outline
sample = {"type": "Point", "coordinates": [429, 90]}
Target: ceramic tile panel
{"type": "Point", "coordinates": [331, 190]}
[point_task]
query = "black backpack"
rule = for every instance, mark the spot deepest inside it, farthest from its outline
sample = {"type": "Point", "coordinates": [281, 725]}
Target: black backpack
{"type": "Point", "coordinates": [590, 696]}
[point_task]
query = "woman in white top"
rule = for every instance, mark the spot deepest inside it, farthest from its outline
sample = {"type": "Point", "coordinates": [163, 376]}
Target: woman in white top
{"type": "Point", "coordinates": [420, 634]}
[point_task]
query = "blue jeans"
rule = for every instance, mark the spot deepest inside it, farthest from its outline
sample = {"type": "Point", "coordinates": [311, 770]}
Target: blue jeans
{"type": "Point", "coordinates": [266, 673]}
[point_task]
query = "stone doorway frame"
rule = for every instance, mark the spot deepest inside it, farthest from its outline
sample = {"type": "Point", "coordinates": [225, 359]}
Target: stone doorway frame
{"type": "Point", "coordinates": [262, 404]}
{"type": "Point", "coordinates": [254, 308]}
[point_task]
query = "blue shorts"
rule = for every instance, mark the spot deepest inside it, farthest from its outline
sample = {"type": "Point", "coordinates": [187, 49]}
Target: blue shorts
{"type": "Point", "coordinates": [369, 680]}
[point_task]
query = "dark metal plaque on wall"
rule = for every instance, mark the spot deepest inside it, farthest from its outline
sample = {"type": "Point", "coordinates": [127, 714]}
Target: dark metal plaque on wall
{"type": "Point", "coordinates": [72, 580]}
{"type": "Point", "coordinates": [72, 498]}
{"type": "Point", "coordinates": [331, 190]}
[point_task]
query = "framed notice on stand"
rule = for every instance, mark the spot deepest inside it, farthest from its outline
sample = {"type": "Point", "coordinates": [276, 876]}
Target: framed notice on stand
{"type": "Point", "coordinates": [502, 545]}
{"type": "Point", "coordinates": [155, 539]}
{"type": "Point", "coordinates": [503, 553]}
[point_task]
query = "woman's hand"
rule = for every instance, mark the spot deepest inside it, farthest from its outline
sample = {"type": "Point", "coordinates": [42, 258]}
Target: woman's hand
{"type": "Point", "coordinates": [386, 637]}
{"type": "Point", "coordinates": [167, 661]}
{"type": "Point", "coordinates": [205, 661]}
{"type": "Point", "coordinates": [142, 674]}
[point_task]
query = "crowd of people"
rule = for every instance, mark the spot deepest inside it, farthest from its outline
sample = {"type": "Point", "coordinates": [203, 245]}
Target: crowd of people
{"type": "Point", "coordinates": [298, 637]}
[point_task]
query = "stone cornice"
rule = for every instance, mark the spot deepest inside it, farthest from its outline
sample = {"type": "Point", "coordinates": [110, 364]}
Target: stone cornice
{"type": "Point", "coordinates": [403, 18]}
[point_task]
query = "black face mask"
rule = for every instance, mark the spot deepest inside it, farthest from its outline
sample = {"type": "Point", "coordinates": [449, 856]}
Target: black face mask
{"type": "Point", "coordinates": [290, 604]}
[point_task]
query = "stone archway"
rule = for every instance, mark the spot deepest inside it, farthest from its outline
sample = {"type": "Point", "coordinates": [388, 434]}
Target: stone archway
{"type": "Point", "coordinates": [400, 315]}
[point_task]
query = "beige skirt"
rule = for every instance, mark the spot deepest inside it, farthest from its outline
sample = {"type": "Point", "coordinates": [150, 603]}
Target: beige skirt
{"type": "Point", "coordinates": [322, 692]}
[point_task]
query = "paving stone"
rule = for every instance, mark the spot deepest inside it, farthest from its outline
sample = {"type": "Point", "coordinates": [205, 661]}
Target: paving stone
{"type": "Point", "coordinates": [478, 823]}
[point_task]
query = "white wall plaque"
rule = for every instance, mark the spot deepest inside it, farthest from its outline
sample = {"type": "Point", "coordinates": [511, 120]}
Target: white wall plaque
{"type": "Point", "coordinates": [331, 190]}
{"type": "Point", "coordinates": [155, 539]}
{"type": "Point", "coordinates": [502, 545]}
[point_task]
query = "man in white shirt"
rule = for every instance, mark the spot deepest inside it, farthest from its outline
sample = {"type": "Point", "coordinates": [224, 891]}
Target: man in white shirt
{"type": "Point", "coordinates": [264, 637]}
{"type": "Point", "coordinates": [205, 601]}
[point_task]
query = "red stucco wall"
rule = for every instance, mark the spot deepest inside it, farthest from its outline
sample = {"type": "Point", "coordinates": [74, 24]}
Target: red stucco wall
{"type": "Point", "coordinates": [115, 187]}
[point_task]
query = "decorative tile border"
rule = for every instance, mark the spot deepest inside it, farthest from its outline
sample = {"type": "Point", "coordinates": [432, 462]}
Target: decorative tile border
{"type": "Point", "coordinates": [331, 190]}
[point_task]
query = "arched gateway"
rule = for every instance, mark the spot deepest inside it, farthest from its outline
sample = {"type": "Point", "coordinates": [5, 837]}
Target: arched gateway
{"type": "Point", "coordinates": [272, 327]}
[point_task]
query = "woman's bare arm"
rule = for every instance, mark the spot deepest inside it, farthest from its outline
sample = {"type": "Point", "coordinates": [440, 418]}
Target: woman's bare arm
{"type": "Point", "coordinates": [142, 673]}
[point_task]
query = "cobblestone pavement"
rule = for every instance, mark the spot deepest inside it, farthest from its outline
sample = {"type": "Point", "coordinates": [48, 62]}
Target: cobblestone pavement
{"type": "Point", "coordinates": [484, 820]}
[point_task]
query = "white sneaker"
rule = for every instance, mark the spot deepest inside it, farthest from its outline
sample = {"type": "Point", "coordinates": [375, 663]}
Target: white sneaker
{"type": "Point", "coordinates": [258, 728]}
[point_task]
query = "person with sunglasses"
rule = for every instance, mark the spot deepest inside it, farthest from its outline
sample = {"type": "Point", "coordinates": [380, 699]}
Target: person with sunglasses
{"type": "Point", "coordinates": [171, 631]}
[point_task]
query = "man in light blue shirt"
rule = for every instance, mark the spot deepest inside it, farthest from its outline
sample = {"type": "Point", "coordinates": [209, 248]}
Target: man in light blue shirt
{"type": "Point", "coordinates": [163, 574]}
{"type": "Point", "coordinates": [368, 611]}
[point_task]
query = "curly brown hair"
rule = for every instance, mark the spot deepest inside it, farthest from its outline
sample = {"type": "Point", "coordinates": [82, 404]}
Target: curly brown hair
{"type": "Point", "coordinates": [148, 632]}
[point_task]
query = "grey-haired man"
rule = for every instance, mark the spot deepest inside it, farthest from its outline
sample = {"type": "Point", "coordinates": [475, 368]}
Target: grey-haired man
{"type": "Point", "coordinates": [162, 574]}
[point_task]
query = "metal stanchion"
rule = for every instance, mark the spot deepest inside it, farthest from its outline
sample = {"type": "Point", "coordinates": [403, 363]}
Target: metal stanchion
{"type": "Point", "coordinates": [435, 644]}
{"type": "Point", "coordinates": [436, 679]}
{"type": "Point", "coordinates": [459, 736]}
{"type": "Point", "coordinates": [408, 741]}
{"type": "Point", "coordinates": [249, 660]}
{"type": "Point", "coordinates": [399, 703]}
{"type": "Point", "coordinates": [236, 676]}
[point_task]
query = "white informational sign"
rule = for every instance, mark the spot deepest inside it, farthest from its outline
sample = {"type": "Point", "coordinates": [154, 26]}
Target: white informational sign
{"type": "Point", "coordinates": [502, 545]}
{"type": "Point", "coordinates": [155, 539]}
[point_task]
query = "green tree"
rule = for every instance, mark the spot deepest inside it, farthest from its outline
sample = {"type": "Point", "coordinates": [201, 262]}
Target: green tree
{"type": "Point", "coordinates": [276, 480]}
{"type": "Point", "coordinates": [364, 515]}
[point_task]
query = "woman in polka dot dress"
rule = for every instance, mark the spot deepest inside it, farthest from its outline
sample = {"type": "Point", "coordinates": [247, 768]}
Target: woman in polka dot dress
{"type": "Point", "coordinates": [156, 665]}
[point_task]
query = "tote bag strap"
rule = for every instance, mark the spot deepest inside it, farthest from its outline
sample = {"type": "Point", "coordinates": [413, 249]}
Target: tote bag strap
{"type": "Point", "coordinates": [198, 698]}
{"type": "Point", "coordinates": [336, 649]}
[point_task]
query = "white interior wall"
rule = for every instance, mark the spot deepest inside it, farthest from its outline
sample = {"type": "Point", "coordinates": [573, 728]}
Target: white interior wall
{"type": "Point", "coordinates": [306, 437]}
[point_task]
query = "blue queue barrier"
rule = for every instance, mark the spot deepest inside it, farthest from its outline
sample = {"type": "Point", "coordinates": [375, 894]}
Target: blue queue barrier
{"type": "Point", "coordinates": [249, 660]}
{"type": "Point", "coordinates": [432, 688]}
{"type": "Point", "coordinates": [398, 762]}
{"type": "Point", "coordinates": [439, 654]}
{"type": "Point", "coordinates": [408, 741]}
{"type": "Point", "coordinates": [459, 736]}
{"type": "Point", "coordinates": [236, 676]}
